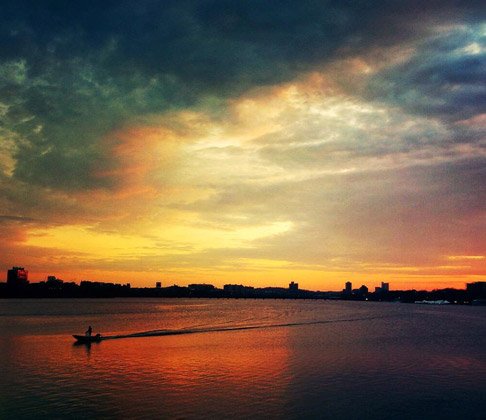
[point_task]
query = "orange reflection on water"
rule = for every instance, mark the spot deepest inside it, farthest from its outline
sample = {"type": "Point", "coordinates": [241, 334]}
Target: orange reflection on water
{"type": "Point", "coordinates": [225, 369]}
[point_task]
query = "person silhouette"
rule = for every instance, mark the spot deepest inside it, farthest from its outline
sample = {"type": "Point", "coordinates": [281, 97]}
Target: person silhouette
{"type": "Point", "coordinates": [89, 331]}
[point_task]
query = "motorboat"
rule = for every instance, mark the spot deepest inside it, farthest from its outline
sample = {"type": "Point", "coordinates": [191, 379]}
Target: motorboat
{"type": "Point", "coordinates": [88, 338]}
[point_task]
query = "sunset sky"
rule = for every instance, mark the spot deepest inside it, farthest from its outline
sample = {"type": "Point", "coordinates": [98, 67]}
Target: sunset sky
{"type": "Point", "coordinates": [252, 142]}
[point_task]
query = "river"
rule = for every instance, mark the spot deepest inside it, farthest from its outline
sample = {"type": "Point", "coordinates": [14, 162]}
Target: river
{"type": "Point", "coordinates": [237, 358]}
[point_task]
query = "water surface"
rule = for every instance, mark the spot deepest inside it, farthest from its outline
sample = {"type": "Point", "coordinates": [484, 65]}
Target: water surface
{"type": "Point", "coordinates": [241, 359]}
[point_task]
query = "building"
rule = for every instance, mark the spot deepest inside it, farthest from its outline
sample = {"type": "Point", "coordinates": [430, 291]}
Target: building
{"type": "Point", "coordinates": [476, 290]}
{"type": "Point", "coordinates": [17, 277]}
{"type": "Point", "coordinates": [363, 290]}
{"type": "Point", "coordinates": [54, 283]}
{"type": "Point", "coordinates": [238, 290]}
{"type": "Point", "coordinates": [158, 285]}
{"type": "Point", "coordinates": [293, 287]}
{"type": "Point", "coordinates": [201, 287]}
{"type": "Point", "coordinates": [348, 288]}
{"type": "Point", "coordinates": [385, 288]}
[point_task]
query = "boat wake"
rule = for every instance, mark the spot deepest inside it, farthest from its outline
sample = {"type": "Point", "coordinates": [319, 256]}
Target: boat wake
{"type": "Point", "coordinates": [184, 331]}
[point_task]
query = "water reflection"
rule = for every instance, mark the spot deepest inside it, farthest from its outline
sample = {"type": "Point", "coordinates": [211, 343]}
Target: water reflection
{"type": "Point", "coordinates": [79, 346]}
{"type": "Point", "coordinates": [208, 373]}
{"type": "Point", "coordinates": [384, 361]}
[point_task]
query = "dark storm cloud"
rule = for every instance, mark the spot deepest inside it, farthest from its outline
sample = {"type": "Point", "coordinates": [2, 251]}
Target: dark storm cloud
{"type": "Point", "coordinates": [63, 112]}
{"type": "Point", "coordinates": [446, 77]}
{"type": "Point", "coordinates": [214, 42]}
{"type": "Point", "coordinates": [73, 71]}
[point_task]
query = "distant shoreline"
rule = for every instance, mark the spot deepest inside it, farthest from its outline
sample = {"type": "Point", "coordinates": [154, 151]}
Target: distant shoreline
{"type": "Point", "coordinates": [95, 290]}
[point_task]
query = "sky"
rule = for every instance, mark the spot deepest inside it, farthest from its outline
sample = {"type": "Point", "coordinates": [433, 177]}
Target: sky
{"type": "Point", "coordinates": [251, 142]}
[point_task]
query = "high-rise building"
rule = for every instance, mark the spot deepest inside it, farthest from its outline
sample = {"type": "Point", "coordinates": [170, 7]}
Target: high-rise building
{"type": "Point", "coordinates": [293, 286]}
{"type": "Point", "coordinates": [348, 288]}
{"type": "Point", "coordinates": [17, 276]}
{"type": "Point", "coordinates": [158, 285]}
{"type": "Point", "coordinates": [385, 287]}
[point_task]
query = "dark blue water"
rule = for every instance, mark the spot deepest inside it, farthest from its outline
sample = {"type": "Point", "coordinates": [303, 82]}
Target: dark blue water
{"type": "Point", "coordinates": [242, 359]}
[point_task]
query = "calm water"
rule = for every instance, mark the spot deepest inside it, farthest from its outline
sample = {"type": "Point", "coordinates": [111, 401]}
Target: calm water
{"type": "Point", "coordinates": [332, 360]}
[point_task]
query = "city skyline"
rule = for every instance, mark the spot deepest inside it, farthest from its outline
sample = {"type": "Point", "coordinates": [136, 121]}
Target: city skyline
{"type": "Point", "coordinates": [244, 142]}
{"type": "Point", "coordinates": [18, 286]}
{"type": "Point", "coordinates": [18, 278]}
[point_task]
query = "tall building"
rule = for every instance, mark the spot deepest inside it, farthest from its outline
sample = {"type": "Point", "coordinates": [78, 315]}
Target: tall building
{"type": "Point", "coordinates": [158, 285]}
{"type": "Point", "coordinates": [293, 286]}
{"type": "Point", "coordinates": [17, 276]}
{"type": "Point", "coordinates": [385, 287]}
{"type": "Point", "coordinates": [348, 288]}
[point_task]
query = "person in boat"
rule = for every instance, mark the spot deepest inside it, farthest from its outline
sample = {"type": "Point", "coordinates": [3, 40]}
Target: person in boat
{"type": "Point", "coordinates": [89, 331]}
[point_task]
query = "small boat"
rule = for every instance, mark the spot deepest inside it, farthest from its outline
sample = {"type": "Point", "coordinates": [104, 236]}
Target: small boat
{"type": "Point", "coordinates": [88, 338]}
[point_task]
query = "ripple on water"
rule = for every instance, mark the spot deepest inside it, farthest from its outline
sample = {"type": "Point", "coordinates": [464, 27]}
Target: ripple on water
{"type": "Point", "coordinates": [306, 359]}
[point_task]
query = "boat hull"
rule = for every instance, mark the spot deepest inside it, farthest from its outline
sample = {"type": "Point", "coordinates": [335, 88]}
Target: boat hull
{"type": "Point", "coordinates": [88, 339]}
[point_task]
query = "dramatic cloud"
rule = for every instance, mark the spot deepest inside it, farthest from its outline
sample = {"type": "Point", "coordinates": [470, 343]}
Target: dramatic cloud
{"type": "Point", "coordinates": [204, 139]}
{"type": "Point", "coordinates": [445, 77]}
